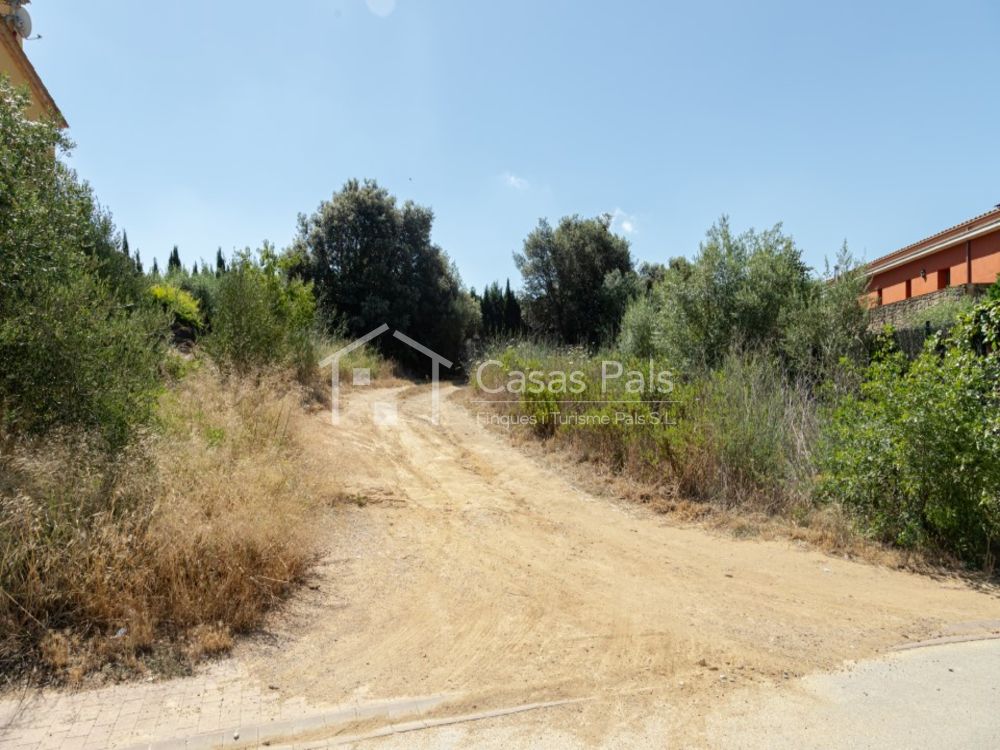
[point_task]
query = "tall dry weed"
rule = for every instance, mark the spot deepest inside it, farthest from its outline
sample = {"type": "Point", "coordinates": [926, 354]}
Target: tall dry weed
{"type": "Point", "coordinates": [199, 527]}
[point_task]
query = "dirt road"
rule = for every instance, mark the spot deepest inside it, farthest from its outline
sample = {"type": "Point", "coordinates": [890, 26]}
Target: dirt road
{"type": "Point", "coordinates": [475, 571]}
{"type": "Point", "coordinates": [474, 575]}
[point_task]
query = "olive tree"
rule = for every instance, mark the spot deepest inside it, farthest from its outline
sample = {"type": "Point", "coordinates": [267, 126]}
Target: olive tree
{"type": "Point", "coordinates": [578, 279]}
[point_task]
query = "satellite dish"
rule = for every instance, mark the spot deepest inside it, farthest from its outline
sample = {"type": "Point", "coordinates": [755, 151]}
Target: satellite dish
{"type": "Point", "coordinates": [22, 22]}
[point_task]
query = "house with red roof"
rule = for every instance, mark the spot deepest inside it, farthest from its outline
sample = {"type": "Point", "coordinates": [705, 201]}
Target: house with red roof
{"type": "Point", "coordinates": [961, 259]}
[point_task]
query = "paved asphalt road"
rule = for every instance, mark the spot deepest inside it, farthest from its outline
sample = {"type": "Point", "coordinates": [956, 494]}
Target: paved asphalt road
{"type": "Point", "coordinates": [944, 696]}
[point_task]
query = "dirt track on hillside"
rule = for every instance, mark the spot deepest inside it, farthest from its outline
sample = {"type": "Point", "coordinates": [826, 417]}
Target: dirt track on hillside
{"type": "Point", "coordinates": [468, 569]}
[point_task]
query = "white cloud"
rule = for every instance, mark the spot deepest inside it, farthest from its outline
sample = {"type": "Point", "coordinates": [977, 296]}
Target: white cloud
{"type": "Point", "coordinates": [623, 222]}
{"type": "Point", "coordinates": [381, 8]}
{"type": "Point", "coordinates": [515, 182]}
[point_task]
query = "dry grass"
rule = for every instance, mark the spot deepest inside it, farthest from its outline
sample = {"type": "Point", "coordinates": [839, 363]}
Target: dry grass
{"type": "Point", "coordinates": [175, 544]}
{"type": "Point", "coordinates": [383, 372]}
{"type": "Point", "coordinates": [828, 528]}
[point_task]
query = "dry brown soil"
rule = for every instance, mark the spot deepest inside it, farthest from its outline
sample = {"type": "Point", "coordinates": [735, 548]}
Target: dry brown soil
{"type": "Point", "coordinates": [465, 567]}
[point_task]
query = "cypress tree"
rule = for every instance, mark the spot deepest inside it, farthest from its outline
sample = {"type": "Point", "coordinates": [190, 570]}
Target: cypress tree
{"type": "Point", "coordinates": [220, 263]}
{"type": "Point", "coordinates": [156, 268]}
{"type": "Point", "coordinates": [174, 261]}
{"type": "Point", "coordinates": [491, 307]}
{"type": "Point", "coordinates": [511, 311]}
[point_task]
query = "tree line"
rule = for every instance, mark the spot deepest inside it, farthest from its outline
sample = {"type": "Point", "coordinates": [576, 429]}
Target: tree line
{"type": "Point", "coordinates": [85, 329]}
{"type": "Point", "coordinates": [371, 260]}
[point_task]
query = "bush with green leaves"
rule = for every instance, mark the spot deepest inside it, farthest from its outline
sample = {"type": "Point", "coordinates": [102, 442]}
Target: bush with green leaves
{"type": "Point", "coordinates": [916, 453]}
{"type": "Point", "coordinates": [739, 436]}
{"type": "Point", "coordinates": [638, 332]}
{"type": "Point", "coordinates": [372, 262]}
{"type": "Point", "coordinates": [578, 279]}
{"type": "Point", "coordinates": [204, 288]}
{"type": "Point", "coordinates": [753, 291]}
{"type": "Point", "coordinates": [745, 435]}
{"type": "Point", "coordinates": [80, 357]}
{"type": "Point", "coordinates": [993, 292]}
{"type": "Point", "coordinates": [824, 331]}
{"type": "Point", "coordinates": [733, 292]}
{"type": "Point", "coordinates": [79, 343]}
{"type": "Point", "coordinates": [263, 318]}
{"type": "Point", "coordinates": [182, 308]}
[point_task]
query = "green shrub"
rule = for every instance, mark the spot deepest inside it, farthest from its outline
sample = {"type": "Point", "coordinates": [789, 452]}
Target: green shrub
{"type": "Point", "coordinates": [745, 436]}
{"type": "Point", "coordinates": [183, 309]}
{"type": "Point", "coordinates": [638, 332]}
{"type": "Point", "coordinates": [993, 292]}
{"type": "Point", "coordinates": [751, 290]}
{"type": "Point", "coordinates": [204, 288]}
{"type": "Point", "coordinates": [263, 318]}
{"type": "Point", "coordinates": [78, 345]}
{"type": "Point", "coordinates": [364, 357]}
{"type": "Point", "coordinates": [824, 330]}
{"type": "Point", "coordinates": [916, 453]}
{"type": "Point", "coordinates": [78, 356]}
{"type": "Point", "coordinates": [734, 292]}
{"type": "Point", "coordinates": [941, 316]}
{"type": "Point", "coordinates": [739, 436]}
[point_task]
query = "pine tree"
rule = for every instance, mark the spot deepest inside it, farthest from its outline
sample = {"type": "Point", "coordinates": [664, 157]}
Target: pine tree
{"type": "Point", "coordinates": [174, 261]}
{"type": "Point", "coordinates": [220, 263]}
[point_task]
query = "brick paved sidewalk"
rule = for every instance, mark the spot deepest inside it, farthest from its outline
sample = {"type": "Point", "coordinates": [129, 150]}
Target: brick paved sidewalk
{"type": "Point", "coordinates": [222, 707]}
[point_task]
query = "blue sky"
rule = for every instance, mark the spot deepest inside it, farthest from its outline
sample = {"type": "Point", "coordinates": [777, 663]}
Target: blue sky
{"type": "Point", "coordinates": [211, 124]}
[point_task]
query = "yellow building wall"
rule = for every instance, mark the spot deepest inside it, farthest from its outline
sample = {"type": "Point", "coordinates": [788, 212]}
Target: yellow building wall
{"type": "Point", "coordinates": [15, 66]}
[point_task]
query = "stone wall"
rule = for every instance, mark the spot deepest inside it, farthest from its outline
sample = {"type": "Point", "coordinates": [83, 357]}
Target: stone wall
{"type": "Point", "coordinates": [900, 313]}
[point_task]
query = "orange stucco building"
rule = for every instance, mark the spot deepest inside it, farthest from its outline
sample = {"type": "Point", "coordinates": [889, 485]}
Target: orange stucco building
{"type": "Point", "coordinates": [14, 64]}
{"type": "Point", "coordinates": [966, 254]}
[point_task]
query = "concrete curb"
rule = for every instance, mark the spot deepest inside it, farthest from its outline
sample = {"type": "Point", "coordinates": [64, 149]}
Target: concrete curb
{"type": "Point", "coordinates": [253, 736]}
{"type": "Point", "coordinates": [412, 726]}
{"type": "Point", "coordinates": [945, 640]}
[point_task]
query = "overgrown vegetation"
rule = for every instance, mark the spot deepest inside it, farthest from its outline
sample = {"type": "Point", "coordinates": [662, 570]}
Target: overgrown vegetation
{"type": "Point", "coordinates": [916, 450]}
{"type": "Point", "coordinates": [780, 400]}
{"type": "Point", "coordinates": [183, 309]}
{"type": "Point", "coordinates": [150, 502]}
{"type": "Point", "coordinates": [738, 436]}
{"type": "Point", "coordinates": [263, 318]}
{"type": "Point", "coordinates": [162, 549]}
{"type": "Point", "coordinates": [750, 291]}
{"type": "Point", "coordinates": [154, 502]}
{"type": "Point", "coordinates": [79, 343]}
